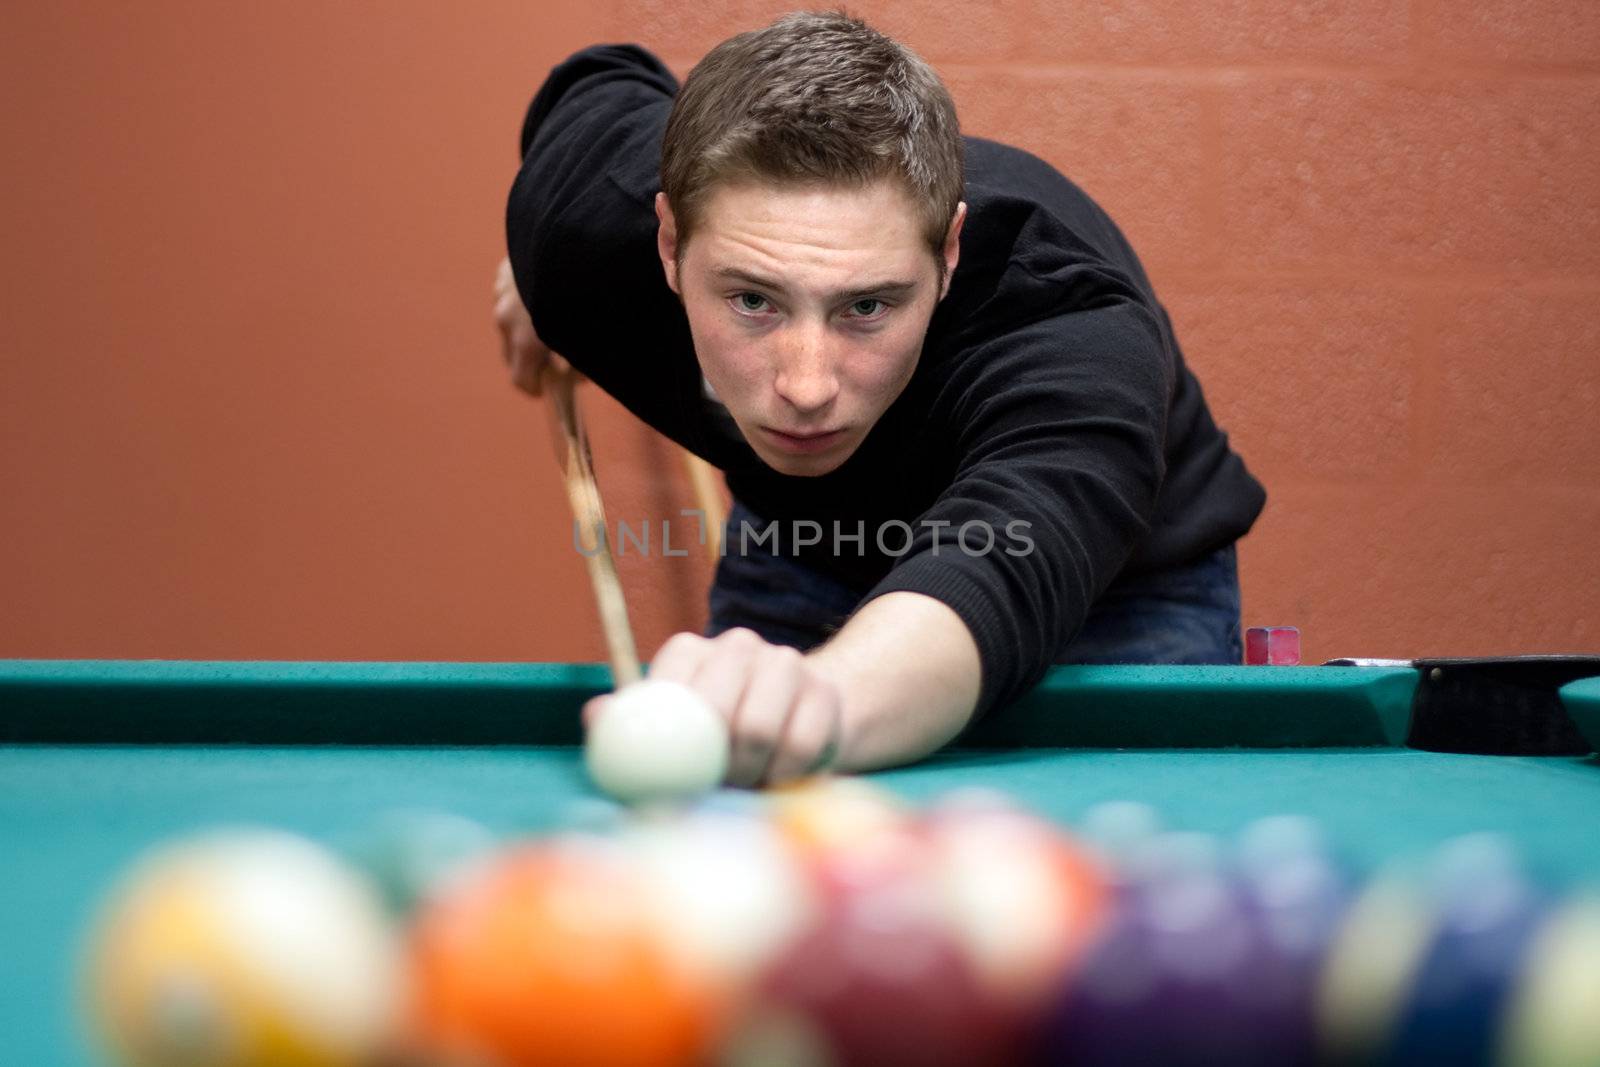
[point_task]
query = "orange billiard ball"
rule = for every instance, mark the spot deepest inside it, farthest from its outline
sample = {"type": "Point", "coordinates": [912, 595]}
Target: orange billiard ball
{"type": "Point", "coordinates": [551, 953]}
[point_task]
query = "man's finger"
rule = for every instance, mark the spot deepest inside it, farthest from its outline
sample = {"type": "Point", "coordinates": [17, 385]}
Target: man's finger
{"type": "Point", "coordinates": [762, 714]}
{"type": "Point", "coordinates": [811, 740]}
{"type": "Point", "coordinates": [594, 708]}
{"type": "Point", "coordinates": [525, 375]}
{"type": "Point", "coordinates": [679, 658]}
{"type": "Point", "coordinates": [722, 675]}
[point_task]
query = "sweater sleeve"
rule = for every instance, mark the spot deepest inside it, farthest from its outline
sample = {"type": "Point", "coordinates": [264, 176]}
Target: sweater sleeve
{"type": "Point", "coordinates": [1060, 428]}
{"type": "Point", "coordinates": [581, 227]}
{"type": "Point", "coordinates": [607, 78]}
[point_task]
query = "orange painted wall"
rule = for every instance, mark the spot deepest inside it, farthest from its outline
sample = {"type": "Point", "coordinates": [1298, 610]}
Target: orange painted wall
{"type": "Point", "coordinates": [251, 403]}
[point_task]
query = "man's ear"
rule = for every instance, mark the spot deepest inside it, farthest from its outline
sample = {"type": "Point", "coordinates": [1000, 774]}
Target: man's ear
{"type": "Point", "coordinates": [667, 242]}
{"type": "Point", "coordinates": [952, 247]}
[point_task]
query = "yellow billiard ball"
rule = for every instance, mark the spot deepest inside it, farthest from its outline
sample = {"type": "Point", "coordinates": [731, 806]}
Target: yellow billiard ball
{"type": "Point", "coordinates": [246, 948]}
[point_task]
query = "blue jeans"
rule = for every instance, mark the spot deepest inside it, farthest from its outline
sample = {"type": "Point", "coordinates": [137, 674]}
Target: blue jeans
{"type": "Point", "coordinates": [1185, 614]}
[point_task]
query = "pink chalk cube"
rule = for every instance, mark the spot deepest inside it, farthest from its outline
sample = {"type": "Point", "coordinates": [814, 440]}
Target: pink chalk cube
{"type": "Point", "coordinates": [1272, 646]}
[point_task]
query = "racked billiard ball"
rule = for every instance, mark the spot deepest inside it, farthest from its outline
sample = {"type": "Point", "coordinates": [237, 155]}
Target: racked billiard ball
{"type": "Point", "coordinates": [1187, 971]}
{"type": "Point", "coordinates": [1487, 910]}
{"type": "Point", "coordinates": [551, 953]}
{"type": "Point", "coordinates": [245, 948]}
{"type": "Point", "coordinates": [877, 980]}
{"type": "Point", "coordinates": [1554, 1014]}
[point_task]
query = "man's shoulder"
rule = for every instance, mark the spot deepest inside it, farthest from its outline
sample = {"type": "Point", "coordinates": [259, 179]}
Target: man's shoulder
{"type": "Point", "coordinates": [998, 169]}
{"type": "Point", "coordinates": [1024, 213]}
{"type": "Point", "coordinates": [989, 156]}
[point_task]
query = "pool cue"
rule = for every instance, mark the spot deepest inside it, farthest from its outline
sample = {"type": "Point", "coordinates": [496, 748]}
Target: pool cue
{"type": "Point", "coordinates": [584, 496]}
{"type": "Point", "coordinates": [704, 479]}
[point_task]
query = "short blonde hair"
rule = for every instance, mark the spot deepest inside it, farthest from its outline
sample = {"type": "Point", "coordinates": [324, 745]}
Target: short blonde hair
{"type": "Point", "coordinates": [814, 98]}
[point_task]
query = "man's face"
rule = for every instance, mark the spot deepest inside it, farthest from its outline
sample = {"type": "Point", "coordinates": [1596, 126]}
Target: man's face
{"type": "Point", "coordinates": [808, 307]}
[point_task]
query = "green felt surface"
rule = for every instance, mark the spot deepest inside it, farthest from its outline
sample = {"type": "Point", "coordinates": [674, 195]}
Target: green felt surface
{"type": "Point", "coordinates": [71, 817]}
{"type": "Point", "coordinates": [1582, 701]}
{"type": "Point", "coordinates": [75, 809]}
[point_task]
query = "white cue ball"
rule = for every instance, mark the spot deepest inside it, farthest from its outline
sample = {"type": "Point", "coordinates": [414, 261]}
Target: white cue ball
{"type": "Point", "coordinates": [657, 740]}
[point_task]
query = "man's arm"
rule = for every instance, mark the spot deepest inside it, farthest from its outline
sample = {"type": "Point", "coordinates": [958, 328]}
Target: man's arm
{"type": "Point", "coordinates": [1058, 429]}
{"type": "Point", "coordinates": [908, 675]}
{"type": "Point", "coordinates": [1068, 443]}
{"type": "Point", "coordinates": [894, 685]}
{"type": "Point", "coordinates": [581, 233]}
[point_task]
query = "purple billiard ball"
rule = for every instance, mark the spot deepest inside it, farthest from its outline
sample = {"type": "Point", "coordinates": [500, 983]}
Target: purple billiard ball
{"type": "Point", "coordinates": [1200, 966]}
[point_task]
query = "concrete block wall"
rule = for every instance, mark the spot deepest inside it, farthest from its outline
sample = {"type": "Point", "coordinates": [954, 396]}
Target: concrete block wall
{"type": "Point", "coordinates": [251, 403]}
{"type": "Point", "coordinates": [1376, 224]}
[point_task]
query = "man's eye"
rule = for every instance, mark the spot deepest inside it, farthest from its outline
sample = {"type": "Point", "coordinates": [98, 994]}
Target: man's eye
{"type": "Point", "coordinates": [869, 308]}
{"type": "Point", "coordinates": [751, 302]}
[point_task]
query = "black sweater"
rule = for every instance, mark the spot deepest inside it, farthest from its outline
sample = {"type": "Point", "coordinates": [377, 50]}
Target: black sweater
{"type": "Point", "coordinates": [1050, 390]}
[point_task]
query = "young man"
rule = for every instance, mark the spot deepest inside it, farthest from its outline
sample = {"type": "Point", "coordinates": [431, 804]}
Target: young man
{"type": "Point", "coordinates": [959, 433]}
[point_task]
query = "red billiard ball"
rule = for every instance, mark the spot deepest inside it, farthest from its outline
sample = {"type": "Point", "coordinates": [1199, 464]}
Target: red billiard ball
{"type": "Point", "coordinates": [879, 979]}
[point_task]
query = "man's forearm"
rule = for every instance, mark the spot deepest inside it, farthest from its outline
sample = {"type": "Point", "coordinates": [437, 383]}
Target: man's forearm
{"type": "Point", "coordinates": [909, 672]}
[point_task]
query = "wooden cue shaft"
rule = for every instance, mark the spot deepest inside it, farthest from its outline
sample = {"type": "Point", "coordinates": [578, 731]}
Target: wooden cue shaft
{"type": "Point", "coordinates": [709, 499]}
{"type": "Point", "coordinates": [584, 496]}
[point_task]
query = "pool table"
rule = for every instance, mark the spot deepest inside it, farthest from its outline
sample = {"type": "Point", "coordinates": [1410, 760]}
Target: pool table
{"type": "Point", "coordinates": [100, 759]}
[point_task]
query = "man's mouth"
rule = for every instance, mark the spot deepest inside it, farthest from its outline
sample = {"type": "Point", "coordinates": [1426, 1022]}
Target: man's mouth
{"type": "Point", "coordinates": [814, 441]}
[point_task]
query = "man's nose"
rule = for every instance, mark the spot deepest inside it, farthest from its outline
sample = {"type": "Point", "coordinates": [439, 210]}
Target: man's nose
{"type": "Point", "coordinates": [806, 376]}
